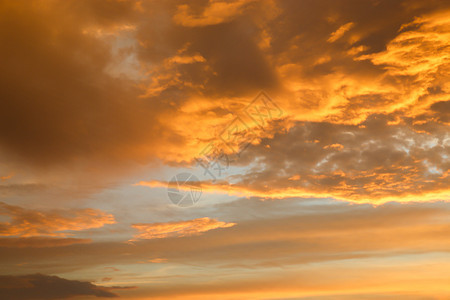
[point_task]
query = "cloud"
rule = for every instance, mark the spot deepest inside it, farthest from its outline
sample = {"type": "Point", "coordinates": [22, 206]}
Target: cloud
{"type": "Point", "coordinates": [101, 94]}
{"type": "Point", "coordinates": [29, 223]}
{"type": "Point", "coordinates": [40, 242]}
{"type": "Point", "coordinates": [195, 71]}
{"type": "Point", "coordinates": [376, 161]}
{"type": "Point", "coordinates": [313, 242]}
{"type": "Point", "coordinates": [300, 231]}
{"type": "Point", "coordinates": [62, 104]}
{"type": "Point", "coordinates": [178, 229]}
{"type": "Point", "coordinates": [3, 178]}
{"type": "Point", "coordinates": [340, 32]}
{"type": "Point", "coordinates": [215, 13]}
{"type": "Point", "coordinates": [419, 53]}
{"type": "Point", "coordinates": [39, 286]}
{"type": "Point", "coordinates": [311, 79]}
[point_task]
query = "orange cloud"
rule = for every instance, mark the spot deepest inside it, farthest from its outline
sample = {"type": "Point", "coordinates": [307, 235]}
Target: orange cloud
{"type": "Point", "coordinates": [30, 223]}
{"type": "Point", "coordinates": [215, 13]}
{"type": "Point", "coordinates": [421, 52]}
{"type": "Point", "coordinates": [178, 229]}
{"type": "Point", "coordinates": [3, 178]}
{"type": "Point", "coordinates": [340, 32]}
{"type": "Point", "coordinates": [215, 69]}
{"type": "Point", "coordinates": [375, 162]}
{"type": "Point", "coordinates": [40, 242]}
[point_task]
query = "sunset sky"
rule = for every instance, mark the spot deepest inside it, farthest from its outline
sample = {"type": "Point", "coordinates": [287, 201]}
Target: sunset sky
{"type": "Point", "coordinates": [209, 149]}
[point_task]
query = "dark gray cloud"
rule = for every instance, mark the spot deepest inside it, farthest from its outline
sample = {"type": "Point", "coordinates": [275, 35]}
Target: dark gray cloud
{"type": "Point", "coordinates": [39, 286]}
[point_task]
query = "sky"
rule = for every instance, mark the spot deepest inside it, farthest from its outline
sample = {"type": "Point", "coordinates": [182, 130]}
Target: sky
{"type": "Point", "coordinates": [208, 149]}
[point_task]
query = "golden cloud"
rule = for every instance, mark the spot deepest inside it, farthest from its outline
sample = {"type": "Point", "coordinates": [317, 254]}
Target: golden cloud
{"type": "Point", "coordinates": [340, 32]}
{"type": "Point", "coordinates": [215, 13]}
{"type": "Point", "coordinates": [178, 229]}
{"type": "Point", "coordinates": [32, 223]}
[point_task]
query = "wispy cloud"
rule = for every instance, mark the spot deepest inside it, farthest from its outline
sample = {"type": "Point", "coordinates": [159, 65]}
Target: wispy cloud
{"type": "Point", "coordinates": [29, 223]}
{"type": "Point", "coordinates": [340, 32]}
{"type": "Point", "coordinates": [178, 229]}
